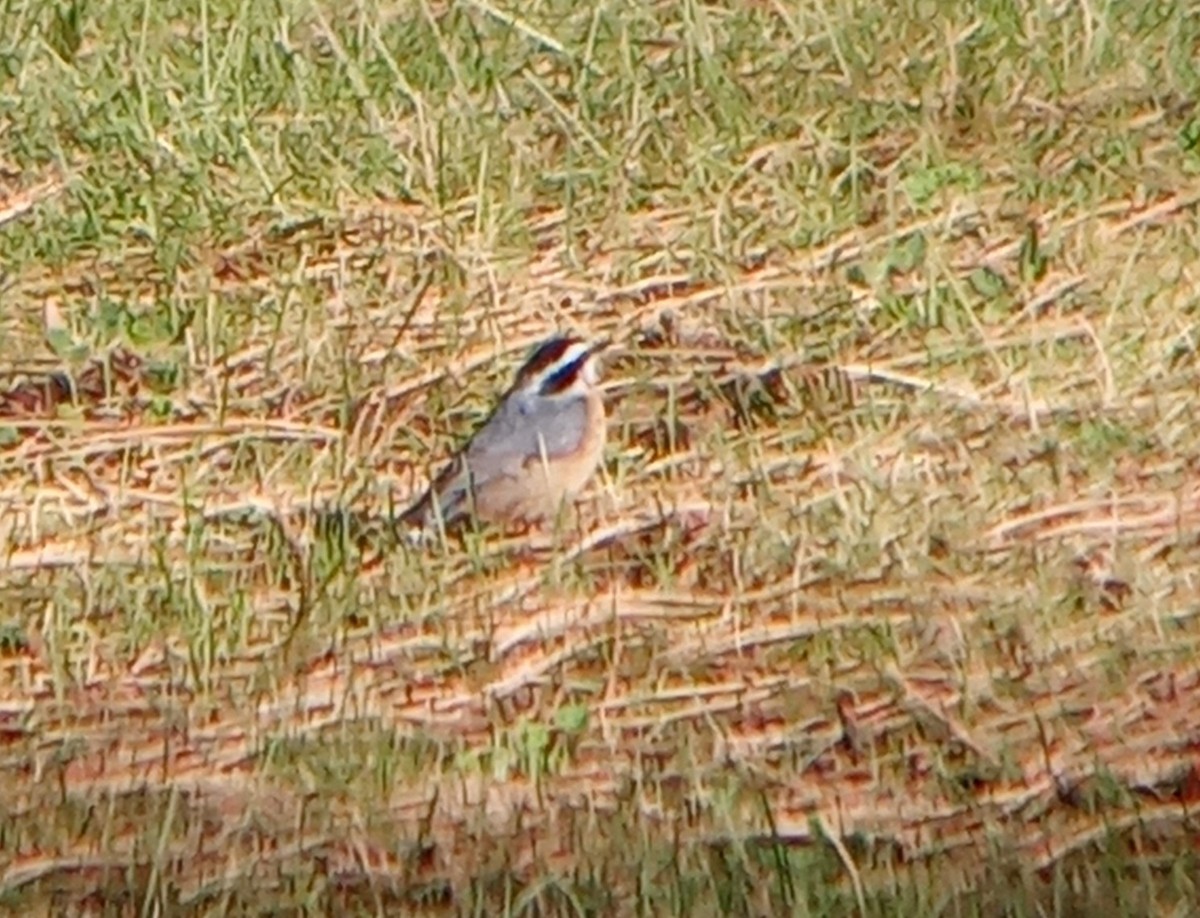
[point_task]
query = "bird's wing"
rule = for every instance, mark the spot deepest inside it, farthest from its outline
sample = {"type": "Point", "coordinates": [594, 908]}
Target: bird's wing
{"type": "Point", "coordinates": [524, 429]}
{"type": "Point", "coordinates": [518, 432]}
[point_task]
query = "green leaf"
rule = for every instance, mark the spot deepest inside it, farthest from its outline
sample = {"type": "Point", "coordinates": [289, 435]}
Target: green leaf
{"type": "Point", "coordinates": [1032, 261]}
{"type": "Point", "coordinates": [571, 718]}
{"type": "Point", "coordinates": [907, 254]}
{"type": "Point", "coordinates": [12, 637]}
{"type": "Point", "coordinates": [533, 738]}
{"type": "Point", "coordinates": [986, 282]}
{"type": "Point", "coordinates": [60, 341]}
{"type": "Point", "coordinates": [1189, 135]}
{"type": "Point", "coordinates": [160, 406]}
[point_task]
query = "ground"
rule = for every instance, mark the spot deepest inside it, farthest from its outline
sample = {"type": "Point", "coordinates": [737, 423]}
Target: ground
{"type": "Point", "coordinates": [885, 600]}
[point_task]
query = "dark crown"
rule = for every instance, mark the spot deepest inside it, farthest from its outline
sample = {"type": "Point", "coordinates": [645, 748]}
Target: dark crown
{"type": "Point", "coordinates": [544, 356]}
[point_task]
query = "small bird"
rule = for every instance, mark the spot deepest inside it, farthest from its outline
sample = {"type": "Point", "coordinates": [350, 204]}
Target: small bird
{"type": "Point", "coordinates": [537, 449]}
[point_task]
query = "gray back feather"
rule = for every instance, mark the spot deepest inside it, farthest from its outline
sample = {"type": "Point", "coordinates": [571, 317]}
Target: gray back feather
{"type": "Point", "coordinates": [522, 427]}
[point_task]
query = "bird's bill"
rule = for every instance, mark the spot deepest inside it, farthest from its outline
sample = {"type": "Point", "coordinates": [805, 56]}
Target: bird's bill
{"type": "Point", "coordinates": [599, 346]}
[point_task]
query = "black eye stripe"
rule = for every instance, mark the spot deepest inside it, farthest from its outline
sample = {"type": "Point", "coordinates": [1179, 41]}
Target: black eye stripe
{"type": "Point", "coordinates": [564, 376]}
{"type": "Point", "coordinates": [546, 356]}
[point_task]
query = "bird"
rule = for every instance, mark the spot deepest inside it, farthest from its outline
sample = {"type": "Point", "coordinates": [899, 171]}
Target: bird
{"type": "Point", "coordinates": [535, 452]}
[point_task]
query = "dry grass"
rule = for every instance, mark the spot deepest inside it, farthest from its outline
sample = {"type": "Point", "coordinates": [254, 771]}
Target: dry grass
{"type": "Point", "coordinates": [887, 600]}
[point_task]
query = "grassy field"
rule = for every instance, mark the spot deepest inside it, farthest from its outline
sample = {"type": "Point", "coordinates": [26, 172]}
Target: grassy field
{"type": "Point", "coordinates": [887, 600]}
